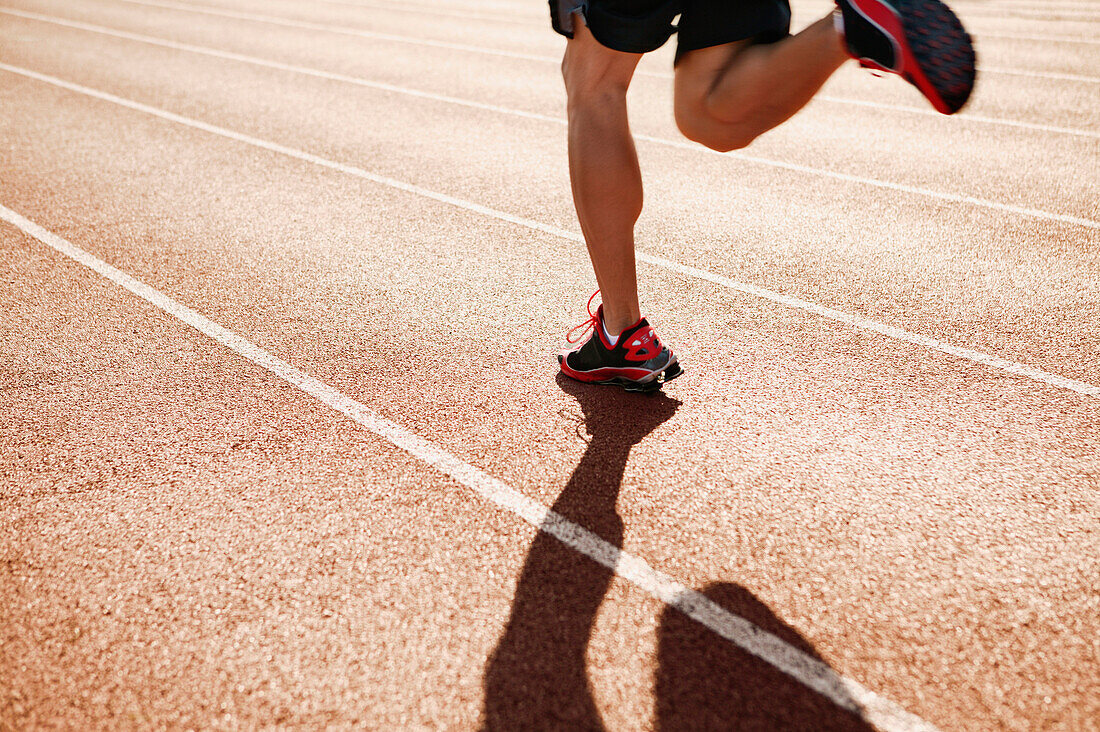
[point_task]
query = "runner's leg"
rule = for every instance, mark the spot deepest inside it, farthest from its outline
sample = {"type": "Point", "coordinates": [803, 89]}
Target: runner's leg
{"type": "Point", "coordinates": [728, 95]}
{"type": "Point", "coordinates": [603, 168]}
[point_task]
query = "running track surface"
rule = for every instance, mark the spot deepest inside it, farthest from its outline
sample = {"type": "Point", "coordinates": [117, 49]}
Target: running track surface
{"type": "Point", "coordinates": [313, 500]}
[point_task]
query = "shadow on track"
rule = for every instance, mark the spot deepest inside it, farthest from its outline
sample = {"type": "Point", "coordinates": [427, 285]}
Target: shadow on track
{"type": "Point", "coordinates": [705, 682]}
{"type": "Point", "coordinates": [536, 677]}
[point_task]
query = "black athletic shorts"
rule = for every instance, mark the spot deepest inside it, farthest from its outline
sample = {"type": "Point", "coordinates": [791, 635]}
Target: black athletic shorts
{"type": "Point", "coordinates": [640, 26]}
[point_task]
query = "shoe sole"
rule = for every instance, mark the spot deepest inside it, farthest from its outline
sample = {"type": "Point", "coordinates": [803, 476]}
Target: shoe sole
{"type": "Point", "coordinates": [936, 54]}
{"type": "Point", "coordinates": [652, 382]}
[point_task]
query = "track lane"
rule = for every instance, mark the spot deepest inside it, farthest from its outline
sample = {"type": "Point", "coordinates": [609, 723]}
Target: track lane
{"type": "Point", "coordinates": [1030, 29]}
{"type": "Point", "coordinates": [362, 81]}
{"type": "Point", "coordinates": [1020, 56]}
{"type": "Point", "coordinates": [882, 130]}
{"type": "Point", "coordinates": [760, 261]}
{"type": "Point", "coordinates": [693, 273]}
{"type": "Point", "coordinates": [805, 668]}
{"type": "Point", "coordinates": [187, 540]}
{"type": "Point", "coordinates": [1033, 94]}
{"type": "Point", "coordinates": [484, 310]}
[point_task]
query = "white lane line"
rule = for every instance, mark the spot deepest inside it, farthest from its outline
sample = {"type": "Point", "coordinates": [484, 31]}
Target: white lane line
{"type": "Point", "coordinates": [530, 20]}
{"type": "Point", "coordinates": [527, 20]}
{"type": "Point", "coordinates": [899, 187]}
{"type": "Point", "coordinates": [256, 61]}
{"type": "Point", "coordinates": [359, 81]}
{"type": "Point", "coordinates": [1078, 13]}
{"type": "Point", "coordinates": [811, 672]}
{"type": "Point", "coordinates": [1029, 6]}
{"type": "Point", "coordinates": [1039, 11]}
{"type": "Point", "coordinates": [967, 116]}
{"type": "Point", "coordinates": [325, 28]}
{"type": "Point", "coordinates": [1052, 75]}
{"type": "Point", "coordinates": [787, 300]}
{"type": "Point", "coordinates": [680, 144]}
{"type": "Point", "coordinates": [1073, 13]}
{"type": "Point", "coordinates": [1043, 16]}
{"type": "Point", "coordinates": [354, 32]}
{"type": "Point", "coordinates": [889, 331]}
{"type": "Point", "coordinates": [1038, 39]}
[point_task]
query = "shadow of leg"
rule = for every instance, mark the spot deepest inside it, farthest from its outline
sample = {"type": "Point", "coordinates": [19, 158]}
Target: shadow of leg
{"type": "Point", "coordinates": [705, 682]}
{"type": "Point", "coordinates": [536, 676]}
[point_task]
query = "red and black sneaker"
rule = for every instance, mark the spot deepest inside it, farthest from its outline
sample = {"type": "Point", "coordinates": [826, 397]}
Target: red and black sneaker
{"type": "Point", "coordinates": [920, 40]}
{"type": "Point", "coordinates": [638, 361]}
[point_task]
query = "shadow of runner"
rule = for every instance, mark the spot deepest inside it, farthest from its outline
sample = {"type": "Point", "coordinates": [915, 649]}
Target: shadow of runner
{"type": "Point", "coordinates": [705, 682]}
{"type": "Point", "coordinates": [536, 679]}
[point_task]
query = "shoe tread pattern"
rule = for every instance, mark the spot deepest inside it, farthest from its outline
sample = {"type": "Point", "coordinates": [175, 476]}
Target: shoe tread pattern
{"type": "Point", "coordinates": [942, 48]}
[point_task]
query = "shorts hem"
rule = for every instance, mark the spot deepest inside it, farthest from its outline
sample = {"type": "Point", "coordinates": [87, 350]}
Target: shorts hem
{"type": "Point", "coordinates": [621, 25]}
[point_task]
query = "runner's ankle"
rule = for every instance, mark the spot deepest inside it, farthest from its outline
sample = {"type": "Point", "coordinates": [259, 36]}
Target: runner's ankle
{"type": "Point", "coordinates": [615, 323]}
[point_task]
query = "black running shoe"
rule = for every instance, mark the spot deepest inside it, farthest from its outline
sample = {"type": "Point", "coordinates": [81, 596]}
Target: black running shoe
{"type": "Point", "coordinates": [920, 40]}
{"type": "Point", "coordinates": [637, 362]}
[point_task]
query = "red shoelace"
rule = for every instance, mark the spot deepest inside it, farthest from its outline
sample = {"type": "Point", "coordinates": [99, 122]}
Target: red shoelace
{"type": "Point", "coordinates": [592, 322]}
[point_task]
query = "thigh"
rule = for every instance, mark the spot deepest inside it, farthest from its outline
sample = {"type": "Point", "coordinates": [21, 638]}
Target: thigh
{"type": "Point", "coordinates": [712, 33]}
{"type": "Point", "coordinates": [705, 24]}
{"type": "Point", "coordinates": [697, 72]}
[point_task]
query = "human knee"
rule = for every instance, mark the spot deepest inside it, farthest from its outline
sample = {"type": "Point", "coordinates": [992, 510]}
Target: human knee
{"type": "Point", "coordinates": [726, 140]}
{"type": "Point", "coordinates": [593, 74]}
{"type": "Point", "coordinates": [698, 125]}
{"type": "Point", "coordinates": [592, 84]}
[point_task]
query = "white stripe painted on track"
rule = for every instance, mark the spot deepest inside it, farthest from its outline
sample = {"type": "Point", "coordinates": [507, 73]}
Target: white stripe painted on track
{"type": "Point", "coordinates": [889, 331]}
{"type": "Point", "coordinates": [317, 73]}
{"type": "Point", "coordinates": [811, 672]}
{"type": "Point", "coordinates": [530, 19]}
{"type": "Point", "coordinates": [1037, 39]}
{"type": "Point", "coordinates": [326, 28]}
{"type": "Point", "coordinates": [962, 116]}
{"type": "Point", "coordinates": [899, 187]}
{"type": "Point", "coordinates": [359, 81]}
{"type": "Point", "coordinates": [1052, 75]}
{"type": "Point", "coordinates": [787, 300]}
{"type": "Point", "coordinates": [681, 144]}
{"type": "Point", "coordinates": [1027, 4]}
{"type": "Point", "coordinates": [1043, 16]}
{"type": "Point", "coordinates": [1071, 14]}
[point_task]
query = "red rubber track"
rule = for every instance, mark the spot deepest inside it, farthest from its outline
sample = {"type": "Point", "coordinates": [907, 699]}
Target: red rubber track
{"type": "Point", "coordinates": [188, 541]}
